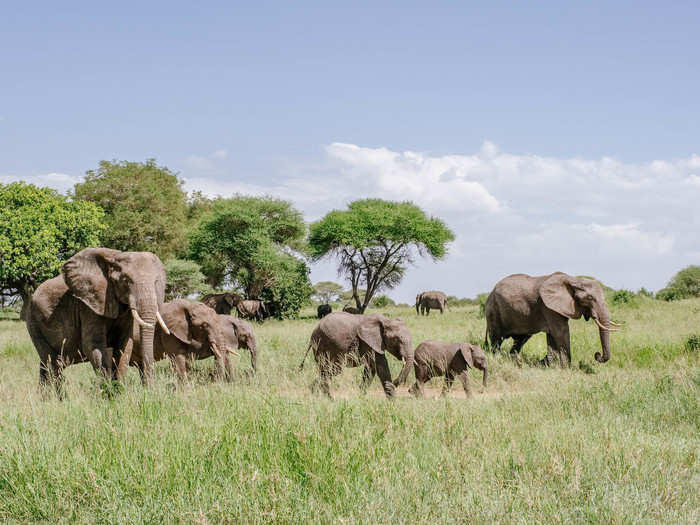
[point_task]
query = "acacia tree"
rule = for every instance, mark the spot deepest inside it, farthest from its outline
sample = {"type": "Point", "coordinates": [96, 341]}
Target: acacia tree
{"type": "Point", "coordinates": [375, 241]}
{"type": "Point", "coordinates": [327, 291]}
{"type": "Point", "coordinates": [39, 230]}
{"type": "Point", "coordinates": [145, 206]}
{"type": "Point", "coordinates": [252, 244]}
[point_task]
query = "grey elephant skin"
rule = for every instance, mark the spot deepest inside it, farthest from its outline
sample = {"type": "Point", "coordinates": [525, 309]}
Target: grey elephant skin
{"type": "Point", "coordinates": [521, 305]}
{"type": "Point", "coordinates": [222, 303]}
{"type": "Point", "coordinates": [88, 312]}
{"type": "Point", "coordinates": [346, 340]}
{"type": "Point", "coordinates": [253, 309]}
{"type": "Point", "coordinates": [194, 332]}
{"type": "Point", "coordinates": [440, 358]}
{"type": "Point", "coordinates": [430, 299]}
{"type": "Point", "coordinates": [323, 310]}
{"type": "Point", "coordinates": [239, 333]}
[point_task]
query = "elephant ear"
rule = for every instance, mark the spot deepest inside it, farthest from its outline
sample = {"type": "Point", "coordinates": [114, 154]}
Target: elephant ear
{"type": "Point", "coordinates": [466, 350]}
{"type": "Point", "coordinates": [86, 274]}
{"type": "Point", "coordinates": [557, 295]}
{"type": "Point", "coordinates": [177, 316]}
{"type": "Point", "coordinates": [371, 332]}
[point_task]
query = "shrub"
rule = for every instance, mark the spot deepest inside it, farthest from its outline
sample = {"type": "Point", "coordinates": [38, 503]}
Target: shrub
{"type": "Point", "coordinates": [692, 344]}
{"type": "Point", "coordinates": [382, 301]}
{"type": "Point", "coordinates": [623, 297]}
{"type": "Point", "coordinates": [685, 284]}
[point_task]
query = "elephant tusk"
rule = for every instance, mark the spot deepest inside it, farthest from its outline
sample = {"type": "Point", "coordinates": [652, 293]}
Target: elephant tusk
{"type": "Point", "coordinates": [614, 324]}
{"type": "Point", "coordinates": [603, 327]}
{"type": "Point", "coordinates": [232, 351]}
{"type": "Point", "coordinates": [162, 323]}
{"type": "Point", "coordinates": [140, 321]}
{"type": "Point", "coordinates": [215, 350]}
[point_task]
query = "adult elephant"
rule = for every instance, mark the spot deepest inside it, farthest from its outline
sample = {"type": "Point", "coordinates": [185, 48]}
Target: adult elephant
{"type": "Point", "coordinates": [88, 312]}
{"type": "Point", "coordinates": [252, 309]}
{"type": "Point", "coordinates": [239, 333]}
{"type": "Point", "coordinates": [520, 306]}
{"type": "Point", "coordinates": [430, 299]}
{"type": "Point", "coordinates": [194, 333]}
{"type": "Point", "coordinates": [347, 340]}
{"type": "Point", "coordinates": [351, 309]}
{"type": "Point", "coordinates": [222, 303]}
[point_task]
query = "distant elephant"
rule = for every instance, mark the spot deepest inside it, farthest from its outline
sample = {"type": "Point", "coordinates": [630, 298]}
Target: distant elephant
{"type": "Point", "coordinates": [252, 309]}
{"type": "Point", "coordinates": [351, 310]}
{"type": "Point", "coordinates": [239, 333]}
{"type": "Point", "coordinates": [431, 299]}
{"type": "Point", "coordinates": [88, 312]}
{"type": "Point", "coordinates": [323, 310]}
{"type": "Point", "coordinates": [520, 306]}
{"type": "Point", "coordinates": [222, 303]}
{"type": "Point", "coordinates": [438, 358]}
{"type": "Point", "coordinates": [346, 340]}
{"type": "Point", "coordinates": [194, 333]}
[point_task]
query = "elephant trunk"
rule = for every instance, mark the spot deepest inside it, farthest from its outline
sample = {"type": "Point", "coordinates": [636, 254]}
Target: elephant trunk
{"type": "Point", "coordinates": [253, 357]}
{"type": "Point", "coordinates": [604, 338]}
{"type": "Point", "coordinates": [417, 307]}
{"type": "Point", "coordinates": [486, 375]}
{"type": "Point", "coordinates": [407, 365]}
{"type": "Point", "coordinates": [145, 311]}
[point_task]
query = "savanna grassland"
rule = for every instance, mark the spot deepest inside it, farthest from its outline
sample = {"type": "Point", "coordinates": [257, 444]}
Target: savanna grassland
{"type": "Point", "coordinates": [611, 443]}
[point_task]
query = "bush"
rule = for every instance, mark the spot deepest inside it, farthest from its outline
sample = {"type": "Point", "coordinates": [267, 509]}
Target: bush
{"type": "Point", "coordinates": [382, 301]}
{"type": "Point", "coordinates": [290, 290]}
{"type": "Point", "coordinates": [184, 278]}
{"type": "Point", "coordinates": [684, 285]}
{"type": "Point", "coordinates": [623, 297]}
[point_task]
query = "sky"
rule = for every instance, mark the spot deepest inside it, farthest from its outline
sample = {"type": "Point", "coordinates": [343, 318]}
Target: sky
{"type": "Point", "coordinates": [549, 137]}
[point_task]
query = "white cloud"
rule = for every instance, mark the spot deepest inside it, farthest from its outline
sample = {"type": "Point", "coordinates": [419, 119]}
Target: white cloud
{"type": "Point", "coordinates": [631, 238]}
{"type": "Point", "coordinates": [60, 181]}
{"type": "Point", "coordinates": [206, 163]}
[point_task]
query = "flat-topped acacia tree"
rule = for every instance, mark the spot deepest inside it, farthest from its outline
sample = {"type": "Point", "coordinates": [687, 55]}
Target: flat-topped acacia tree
{"type": "Point", "coordinates": [375, 241]}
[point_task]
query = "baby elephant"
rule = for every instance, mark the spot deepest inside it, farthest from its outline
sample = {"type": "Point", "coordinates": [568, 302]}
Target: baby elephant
{"type": "Point", "coordinates": [438, 358]}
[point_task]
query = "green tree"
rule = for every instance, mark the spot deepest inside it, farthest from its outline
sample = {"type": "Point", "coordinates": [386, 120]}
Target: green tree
{"type": "Point", "coordinates": [685, 284]}
{"type": "Point", "coordinates": [327, 291]}
{"type": "Point", "coordinates": [39, 230]}
{"type": "Point", "coordinates": [253, 244]}
{"type": "Point", "coordinates": [184, 279]}
{"type": "Point", "coordinates": [145, 206]}
{"type": "Point", "coordinates": [375, 241]}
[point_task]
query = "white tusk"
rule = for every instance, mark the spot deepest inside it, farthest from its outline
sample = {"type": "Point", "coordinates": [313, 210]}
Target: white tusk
{"type": "Point", "coordinates": [215, 350]}
{"type": "Point", "coordinates": [232, 351]}
{"type": "Point", "coordinates": [162, 323]}
{"type": "Point", "coordinates": [140, 321]}
{"type": "Point", "coordinates": [614, 324]}
{"type": "Point", "coordinates": [603, 327]}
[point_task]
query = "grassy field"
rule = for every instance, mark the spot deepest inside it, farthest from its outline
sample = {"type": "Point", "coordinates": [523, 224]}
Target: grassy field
{"type": "Point", "coordinates": [613, 443]}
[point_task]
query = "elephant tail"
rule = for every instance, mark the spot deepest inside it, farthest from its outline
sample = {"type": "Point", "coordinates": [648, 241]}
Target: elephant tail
{"type": "Point", "coordinates": [486, 338]}
{"type": "Point", "coordinates": [301, 366]}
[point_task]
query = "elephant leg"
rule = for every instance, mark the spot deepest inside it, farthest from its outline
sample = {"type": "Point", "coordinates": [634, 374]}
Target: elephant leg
{"type": "Point", "coordinates": [427, 310]}
{"type": "Point", "coordinates": [124, 359]}
{"type": "Point", "coordinates": [449, 379]}
{"type": "Point", "coordinates": [464, 378]}
{"type": "Point", "coordinates": [561, 344]}
{"type": "Point", "coordinates": [51, 374]}
{"type": "Point", "coordinates": [384, 374]}
{"type": "Point", "coordinates": [548, 359]}
{"type": "Point", "coordinates": [368, 372]}
{"type": "Point", "coordinates": [179, 362]}
{"type": "Point", "coordinates": [421, 373]}
{"type": "Point", "coordinates": [518, 343]}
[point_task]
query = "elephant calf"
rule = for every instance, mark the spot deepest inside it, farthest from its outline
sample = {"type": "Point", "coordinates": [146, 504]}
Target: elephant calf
{"type": "Point", "coordinates": [239, 333]}
{"type": "Point", "coordinates": [323, 310]}
{"type": "Point", "coordinates": [438, 358]}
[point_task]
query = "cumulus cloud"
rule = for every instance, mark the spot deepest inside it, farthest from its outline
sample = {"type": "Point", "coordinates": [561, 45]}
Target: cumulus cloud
{"type": "Point", "coordinates": [59, 181]}
{"type": "Point", "coordinates": [631, 224]}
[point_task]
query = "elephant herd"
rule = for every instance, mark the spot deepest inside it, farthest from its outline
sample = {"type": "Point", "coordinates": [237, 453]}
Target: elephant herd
{"type": "Point", "coordinates": [107, 307]}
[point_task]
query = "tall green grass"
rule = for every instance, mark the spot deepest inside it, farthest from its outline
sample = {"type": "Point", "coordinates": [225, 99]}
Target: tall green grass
{"type": "Point", "coordinates": [619, 445]}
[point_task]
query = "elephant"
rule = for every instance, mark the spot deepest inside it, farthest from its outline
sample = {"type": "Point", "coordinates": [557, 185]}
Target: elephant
{"type": "Point", "coordinates": [342, 339]}
{"type": "Point", "coordinates": [351, 310]}
{"type": "Point", "coordinates": [88, 312]}
{"type": "Point", "coordinates": [252, 309]}
{"type": "Point", "coordinates": [431, 299]}
{"type": "Point", "coordinates": [223, 303]}
{"type": "Point", "coordinates": [521, 305]}
{"type": "Point", "coordinates": [434, 358]}
{"type": "Point", "coordinates": [239, 333]}
{"type": "Point", "coordinates": [195, 332]}
{"type": "Point", "coordinates": [323, 310]}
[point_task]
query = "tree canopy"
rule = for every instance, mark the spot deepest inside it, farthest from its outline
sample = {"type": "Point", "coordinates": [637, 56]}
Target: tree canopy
{"type": "Point", "coordinates": [145, 206]}
{"type": "Point", "coordinates": [251, 244]}
{"type": "Point", "coordinates": [39, 230]}
{"type": "Point", "coordinates": [327, 291]}
{"type": "Point", "coordinates": [375, 241]}
{"type": "Point", "coordinates": [184, 279]}
{"type": "Point", "coordinates": [684, 285]}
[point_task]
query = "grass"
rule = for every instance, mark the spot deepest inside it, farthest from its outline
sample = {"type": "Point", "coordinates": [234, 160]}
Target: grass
{"type": "Point", "coordinates": [613, 443]}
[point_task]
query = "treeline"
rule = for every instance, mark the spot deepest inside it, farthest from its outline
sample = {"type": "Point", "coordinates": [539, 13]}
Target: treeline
{"type": "Point", "coordinates": [259, 247]}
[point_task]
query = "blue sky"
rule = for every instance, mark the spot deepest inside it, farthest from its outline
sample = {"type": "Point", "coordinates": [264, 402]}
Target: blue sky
{"type": "Point", "coordinates": [549, 137]}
